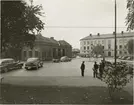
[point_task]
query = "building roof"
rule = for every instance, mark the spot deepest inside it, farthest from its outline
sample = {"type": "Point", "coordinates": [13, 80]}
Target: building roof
{"type": "Point", "coordinates": [51, 40]}
{"type": "Point", "coordinates": [64, 43]}
{"type": "Point", "coordinates": [107, 36]}
{"type": "Point", "coordinates": [46, 40]}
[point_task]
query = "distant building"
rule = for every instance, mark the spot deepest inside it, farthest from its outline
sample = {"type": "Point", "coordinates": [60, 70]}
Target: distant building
{"type": "Point", "coordinates": [107, 41]}
{"type": "Point", "coordinates": [47, 49]}
{"type": "Point", "coordinates": [75, 52]}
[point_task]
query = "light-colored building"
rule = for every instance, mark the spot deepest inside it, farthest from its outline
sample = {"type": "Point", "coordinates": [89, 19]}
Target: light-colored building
{"type": "Point", "coordinates": [107, 41]}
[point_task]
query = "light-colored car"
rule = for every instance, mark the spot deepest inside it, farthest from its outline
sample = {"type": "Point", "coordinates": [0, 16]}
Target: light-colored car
{"type": "Point", "coordinates": [33, 63]}
{"type": "Point", "coordinates": [65, 59]}
{"type": "Point", "coordinates": [9, 64]}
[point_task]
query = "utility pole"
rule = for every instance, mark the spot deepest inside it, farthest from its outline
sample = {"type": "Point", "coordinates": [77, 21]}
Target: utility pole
{"type": "Point", "coordinates": [115, 36]}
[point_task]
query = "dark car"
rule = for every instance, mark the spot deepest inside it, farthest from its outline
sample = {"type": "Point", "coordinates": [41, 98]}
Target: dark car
{"type": "Point", "coordinates": [56, 60]}
{"type": "Point", "coordinates": [9, 64]}
{"type": "Point", "coordinates": [33, 63]}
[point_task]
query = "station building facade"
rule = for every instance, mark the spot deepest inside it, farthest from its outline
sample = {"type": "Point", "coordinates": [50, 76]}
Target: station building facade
{"type": "Point", "coordinates": [47, 49]}
{"type": "Point", "coordinates": [107, 41]}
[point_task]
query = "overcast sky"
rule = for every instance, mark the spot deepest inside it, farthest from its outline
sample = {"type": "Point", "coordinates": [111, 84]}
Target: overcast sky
{"type": "Point", "coordinates": [81, 13]}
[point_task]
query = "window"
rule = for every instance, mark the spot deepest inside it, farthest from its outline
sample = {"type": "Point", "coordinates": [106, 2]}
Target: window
{"type": "Point", "coordinates": [84, 48]}
{"type": "Point", "coordinates": [109, 46]}
{"type": "Point", "coordinates": [103, 47]}
{"type": "Point", "coordinates": [95, 42]}
{"type": "Point", "coordinates": [109, 53]}
{"type": "Point", "coordinates": [125, 52]}
{"type": "Point", "coordinates": [102, 41]}
{"type": "Point", "coordinates": [120, 46]}
{"type": "Point", "coordinates": [25, 53]}
{"type": "Point", "coordinates": [30, 53]}
{"type": "Point", "coordinates": [99, 42]}
{"type": "Point", "coordinates": [87, 42]}
{"type": "Point", "coordinates": [125, 46]}
{"type": "Point", "coordinates": [36, 53]}
{"type": "Point", "coordinates": [109, 41]}
{"type": "Point", "coordinates": [120, 40]}
{"type": "Point", "coordinates": [84, 42]}
{"type": "Point", "coordinates": [87, 47]}
{"type": "Point", "coordinates": [120, 52]}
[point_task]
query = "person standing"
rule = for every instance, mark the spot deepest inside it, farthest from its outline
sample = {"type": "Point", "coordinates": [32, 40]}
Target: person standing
{"type": "Point", "coordinates": [82, 68]}
{"type": "Point", "coordinates": [95, 70]}
{"type": "Point", "coordinates": [100, 70]}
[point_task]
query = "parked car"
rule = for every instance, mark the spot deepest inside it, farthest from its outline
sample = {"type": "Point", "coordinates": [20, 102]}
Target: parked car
{"type": "Point", "coordinates": [124, 57]}
{"type": "Point", "coordinates": [119, 57]}
{"type": "Point", "coordinates": [56, 60]}
{"type": "Point", "coordinates": [9, 64]}
{"type": "Point", "coordinates": [65, 59]}
{"type": "Point", "coordinates": [33, 63]}
{"type": "Point", "coordinates": [128, 58]}
{"type": "Point", "coordinates": [99, 56]}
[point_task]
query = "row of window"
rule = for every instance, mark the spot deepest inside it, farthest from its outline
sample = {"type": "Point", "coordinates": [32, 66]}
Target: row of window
{"type": "Point", "coordinates": [30, 53]}
{"type": "Point", "coordinates": [102, 41]}
{"type": "Point", "coordinates": [94, 42]}
{"type": "Point", "coordinates": [109, 53]}
{"type": "Point", "coordinates": [109, 47]}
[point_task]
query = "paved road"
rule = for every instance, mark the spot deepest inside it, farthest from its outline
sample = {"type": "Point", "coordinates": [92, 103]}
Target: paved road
{"type": "Point", "coordinates": [61, 74]}
{"type": "Point", "coordinates": [56, 69]}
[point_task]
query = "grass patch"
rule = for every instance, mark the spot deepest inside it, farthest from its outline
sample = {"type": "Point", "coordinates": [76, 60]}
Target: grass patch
{"type": "Point", "coordinates": [12, 94]}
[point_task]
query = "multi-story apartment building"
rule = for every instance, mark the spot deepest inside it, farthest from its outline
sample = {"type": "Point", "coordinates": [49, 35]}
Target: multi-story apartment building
{"type": "Point", "coordinates": [107, 41]}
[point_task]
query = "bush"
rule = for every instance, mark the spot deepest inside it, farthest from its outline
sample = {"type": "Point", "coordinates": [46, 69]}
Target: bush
{"type": "Point", "coordinates": [117, 78]}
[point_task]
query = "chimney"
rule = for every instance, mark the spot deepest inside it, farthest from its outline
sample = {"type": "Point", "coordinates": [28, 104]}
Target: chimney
{"type": "Point", "coordinates": [113, 33]}
{"type": "Point", "coordinates": [122, 32]}
{"type": "Point", "coordinates": [51, 37]}
{"type": "Point", "coordinates": [98, 34]}
{"type": "Point", "coordinates": [90, 34]}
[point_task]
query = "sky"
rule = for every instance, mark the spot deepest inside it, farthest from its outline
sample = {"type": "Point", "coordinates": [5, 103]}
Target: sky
{"type": "Point", "coordinates": [78, 18]}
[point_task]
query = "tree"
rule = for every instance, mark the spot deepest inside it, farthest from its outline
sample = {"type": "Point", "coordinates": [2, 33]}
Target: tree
{"type": "Point", "coordinates": [117, 78]}
{"type": "Point", "coordinates": [97, 50]}
{"type": "Point", "coordinates": [130, 15]}
{"type": "Point", "coordinates": [130, 46]}
{"type": "Point", "coordinates": [19, 22]}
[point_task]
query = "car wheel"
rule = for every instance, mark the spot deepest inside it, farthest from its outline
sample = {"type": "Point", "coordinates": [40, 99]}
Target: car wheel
{"type": "Point", "coordinates": [37, 67]}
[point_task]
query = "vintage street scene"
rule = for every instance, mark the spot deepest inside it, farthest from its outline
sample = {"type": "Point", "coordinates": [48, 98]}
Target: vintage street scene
{"type": "Point", "coordinates": [67, 52]}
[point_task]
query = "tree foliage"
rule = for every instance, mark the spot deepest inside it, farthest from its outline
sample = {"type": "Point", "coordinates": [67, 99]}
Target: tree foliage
{"type": "Point", "coordinates": [117, 78]}
{"type": "Point", "coordinates": [130, 15]}
{"type": "Point", "coordinates": [97, 50]}
{"type": "Point", "coordinates": [19, 22]}
{"type": "Point", "coordinates": [130, 46]}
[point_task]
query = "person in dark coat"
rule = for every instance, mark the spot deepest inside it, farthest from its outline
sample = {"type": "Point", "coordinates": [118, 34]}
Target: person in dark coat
{"type": "Point", "coordinates": [100, 70]}
{"type": "Point", "coordinates": [103, 64]}
{"type": "Point", "coordinates": [95, 70]}
{"type": "Point", "coordinates": [82, 68]}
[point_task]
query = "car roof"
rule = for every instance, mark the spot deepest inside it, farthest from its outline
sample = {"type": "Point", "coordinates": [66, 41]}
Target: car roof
{"type": "Point", "coordinates": [5, 59]}
{"type": "Point", "coordinates": [31, 59]}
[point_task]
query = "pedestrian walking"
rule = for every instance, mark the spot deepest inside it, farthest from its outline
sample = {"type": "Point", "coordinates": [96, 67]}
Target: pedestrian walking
{"type": "Point", "coordinates": [82, 68]}
{"type": "Point", "coordinates": [95, 70]}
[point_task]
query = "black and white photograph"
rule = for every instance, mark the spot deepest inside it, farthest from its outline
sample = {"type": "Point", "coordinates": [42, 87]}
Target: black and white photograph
{"type": "Point", "coordinates": [67, 52]}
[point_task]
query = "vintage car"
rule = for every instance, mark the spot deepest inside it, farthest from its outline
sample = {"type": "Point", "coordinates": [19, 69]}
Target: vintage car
{"type": "Point", "coordinates": [33, 63]}
{"type": "Point", "coordinates": [56, 60]}
{"type": "Point", "coordinates": [65, 59]}
{"type": "Point", "coordinates": [9, 64]}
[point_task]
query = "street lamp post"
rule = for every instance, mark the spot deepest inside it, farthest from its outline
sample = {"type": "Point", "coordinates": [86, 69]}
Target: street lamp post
{"type": "Point", "coordinates": [115, 36]}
